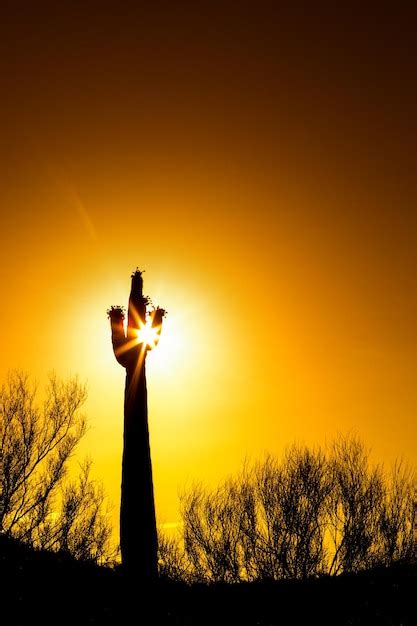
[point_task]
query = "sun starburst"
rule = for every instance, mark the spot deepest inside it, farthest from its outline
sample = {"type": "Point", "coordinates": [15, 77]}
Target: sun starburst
{"type": "Point", "coordinates": [148, 334]}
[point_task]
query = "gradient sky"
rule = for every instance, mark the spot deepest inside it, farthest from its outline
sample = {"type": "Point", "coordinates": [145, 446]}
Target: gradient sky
{"type": "Point", "coordinates": [260, 164]}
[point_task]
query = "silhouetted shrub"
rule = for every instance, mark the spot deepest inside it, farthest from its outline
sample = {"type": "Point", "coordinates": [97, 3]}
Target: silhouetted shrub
{"type": "Point", "coordinates": [37, 504]}
{"type": "Point", "coordinates": [311, 513]}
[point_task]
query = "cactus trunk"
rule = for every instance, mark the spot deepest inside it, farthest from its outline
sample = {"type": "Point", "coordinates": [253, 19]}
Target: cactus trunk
{"type": "Point", "coordinates": [138, 534]}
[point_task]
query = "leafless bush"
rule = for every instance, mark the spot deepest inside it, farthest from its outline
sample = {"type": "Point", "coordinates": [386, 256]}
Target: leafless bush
{"type": "Point", "coordinates": [310, 513]}
{"type": "Point", "coordinates": [398, 520]}
{"type": "Point", "coordinates": [212, 532]}
{"type": "Point", "coordinates": [37, 504]}
{"type": "Point", "coordinates": [355, 507]}
{"type": "Point", "coordinates": [173, 563]}
{"type": "Point", "coordinates": [293, 496]}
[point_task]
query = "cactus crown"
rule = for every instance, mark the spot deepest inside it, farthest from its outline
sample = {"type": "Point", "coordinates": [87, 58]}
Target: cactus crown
{"type": "Point", "coordinates": [116, 312]}
{"type": "Point", "coordinates": [137, 272]}
{"type": "Point", "coordinates": [137, 281]}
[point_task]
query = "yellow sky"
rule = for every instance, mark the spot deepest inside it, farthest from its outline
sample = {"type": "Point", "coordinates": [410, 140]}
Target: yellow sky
{"type": "Point", "coordinates": [270, 197]}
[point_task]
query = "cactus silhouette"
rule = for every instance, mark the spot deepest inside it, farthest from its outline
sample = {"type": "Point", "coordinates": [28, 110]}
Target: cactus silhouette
{"type": "Point", "coordinates": [138, 535]}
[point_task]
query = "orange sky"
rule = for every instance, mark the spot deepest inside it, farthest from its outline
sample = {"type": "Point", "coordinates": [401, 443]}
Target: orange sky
{"type": "Point", "coordinates": [260, 165]}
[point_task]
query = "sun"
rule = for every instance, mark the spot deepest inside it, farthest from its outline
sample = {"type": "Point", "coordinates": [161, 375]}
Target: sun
{"type": "Point", "coordinates": [149, 334]}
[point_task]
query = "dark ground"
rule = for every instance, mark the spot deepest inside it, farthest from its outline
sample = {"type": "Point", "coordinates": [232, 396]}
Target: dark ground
{"type": "Point", "coordinates": [44, 588]}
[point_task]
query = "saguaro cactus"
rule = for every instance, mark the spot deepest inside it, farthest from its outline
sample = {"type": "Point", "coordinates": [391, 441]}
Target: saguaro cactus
{"type": "Point", "coordinates": [138, 536]}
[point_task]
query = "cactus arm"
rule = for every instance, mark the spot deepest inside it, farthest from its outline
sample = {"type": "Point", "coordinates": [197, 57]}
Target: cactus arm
{"type": "Point", "coordinates": [157, 316]}
{"type": "Point", "coordinates": [118, 337]}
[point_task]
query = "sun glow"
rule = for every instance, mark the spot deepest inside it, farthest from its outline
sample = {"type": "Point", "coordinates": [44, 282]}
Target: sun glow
{"type": "Point", "coordinates": [149, 334]}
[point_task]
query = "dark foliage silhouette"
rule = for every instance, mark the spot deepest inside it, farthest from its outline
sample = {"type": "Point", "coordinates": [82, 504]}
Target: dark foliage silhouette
{"type": "Point", "coordinates": [49, 588]}
{"type": "Point", "coordinates": [38, 505]}
{"type": "Point", "coordinates": [310, 514]}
